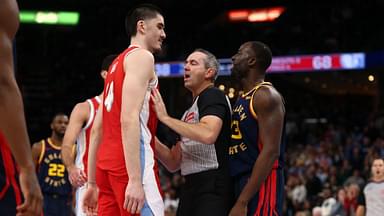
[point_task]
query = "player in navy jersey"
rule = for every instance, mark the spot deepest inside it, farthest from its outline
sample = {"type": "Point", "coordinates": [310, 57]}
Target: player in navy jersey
{"type": "Point", "coordinates": [258, 141]}
{"type": "Point", "coordinates": [51, 172]}
{"type": "Point", "coordinates": [13, 133]}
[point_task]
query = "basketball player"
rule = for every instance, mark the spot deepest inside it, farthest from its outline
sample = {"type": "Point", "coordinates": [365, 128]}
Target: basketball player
{"type": "Point", "coordinates": [13, 129]}
{"type": "Point", "coordinates": [205, 135]}
{"type": "Point", "coordinates": [79, 127]}
{"type": "Point", "coordinates": [258, 141]}
{"type": "Point", "coordinates": [371, 201]}
{"type": "Point", "coordinates": [123, 132]}
{"type": "Point", "coordinates": [52, 174]}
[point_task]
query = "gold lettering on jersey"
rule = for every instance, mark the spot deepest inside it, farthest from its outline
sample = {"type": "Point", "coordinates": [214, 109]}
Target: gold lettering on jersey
{"type": "Point", "coordinates": [240, 111]}
{"type": "Point", "coordinates": [243, 116]}
{"type": "Point", "coordinates": [237, 148]}
{"type": "Point", "coordinates": [56, 171]}
{"type": "Point", "coordinates": [243, 147]}
{"type": "Point", "coordinates": [236, 134]}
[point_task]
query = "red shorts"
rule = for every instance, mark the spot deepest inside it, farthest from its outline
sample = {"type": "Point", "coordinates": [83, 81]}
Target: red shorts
{"type": "Point", "coordinates": [111, 193]}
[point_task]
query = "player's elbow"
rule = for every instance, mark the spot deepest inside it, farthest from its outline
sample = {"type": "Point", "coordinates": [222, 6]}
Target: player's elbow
{"type": "Point", "coordinates": [7, 85]}
{"type": "Point", "coordinates": [273, 153]}
{"type": "Point", "coordinates": [129, 119]}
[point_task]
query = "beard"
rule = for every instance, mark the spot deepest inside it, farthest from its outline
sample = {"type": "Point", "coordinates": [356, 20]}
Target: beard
{"type": "Point", "coordinates": [236, 74]}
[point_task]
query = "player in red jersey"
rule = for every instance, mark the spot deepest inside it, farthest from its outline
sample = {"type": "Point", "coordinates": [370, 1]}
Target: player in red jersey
{"type": "Point", "coordinates": [123, 132]}
{"type": "Point", "coordinates": [13, 128]}
{"type": "Point", "coordinates": [79, 131]}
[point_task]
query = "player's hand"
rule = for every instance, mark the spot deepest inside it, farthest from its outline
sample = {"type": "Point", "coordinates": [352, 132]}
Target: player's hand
{"type": "Point", "coordinates": [90, 200]}
{"type": "Point", "coordinates": [159, 105]}
{"type": "Point", "coordinates": [134, 197]}
{"type": "Point", "coordinates": [77, 177]}
{"type": "Point", "coordinates": [239, 209]}
{"type": "Point", "coordinates": [33, 199]}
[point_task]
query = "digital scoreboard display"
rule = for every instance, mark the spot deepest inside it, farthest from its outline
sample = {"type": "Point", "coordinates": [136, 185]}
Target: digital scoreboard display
{"type": "Point", "coordinates": [285, 64]}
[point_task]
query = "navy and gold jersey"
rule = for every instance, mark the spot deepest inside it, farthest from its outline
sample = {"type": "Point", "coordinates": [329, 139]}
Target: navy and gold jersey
{"type": "Point", "coordinates": [246, 145]}
{"type": "Point", "coordinates": [52, 174]}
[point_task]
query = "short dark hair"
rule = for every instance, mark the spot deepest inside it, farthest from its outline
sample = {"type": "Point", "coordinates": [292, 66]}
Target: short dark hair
{"type": "Point", "coordinates": [375, 158]}
{"type": "Point", "coordinates": [140, 12]}
{"type": "Point", "coordinates": [263, 55]}
{"type": "Point", "coordinates": [210, 62]}
{"type": "Point", "coordinates": [58, 114]}
{"type": "Point", "coordinates": [107, 61]}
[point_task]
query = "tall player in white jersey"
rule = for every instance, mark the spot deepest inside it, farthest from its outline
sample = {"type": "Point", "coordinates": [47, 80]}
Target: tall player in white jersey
{"type": "Point", "coordinates": [123, 132]}
{"type": "Point", "coordinates": [79, 130]}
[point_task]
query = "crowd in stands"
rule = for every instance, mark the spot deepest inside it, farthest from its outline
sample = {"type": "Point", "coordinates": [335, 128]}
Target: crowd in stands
{"type": "Point", "coordinates": [327, 166]}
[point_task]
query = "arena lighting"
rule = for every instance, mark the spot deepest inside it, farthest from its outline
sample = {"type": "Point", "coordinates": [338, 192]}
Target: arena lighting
{"type": "Point", "coordinates": [50, 17]}
{"type": "Point", "coordinates": [256, 15]}
{"type": "Point", "coordinates": [371, 78]}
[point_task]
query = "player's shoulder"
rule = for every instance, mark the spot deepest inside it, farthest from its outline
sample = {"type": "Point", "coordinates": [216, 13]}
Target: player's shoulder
{"type": "Point", "coordinates": [9, 21]}
{"type": "Point", "coordinates": [81, 109]}
{"type": "Point", "coordinates": [267, 97]}
{"type": "Point", "coordinates": [38, 145]}
{"type": "Point", "coordinates": [140, 55]}
{"type": "Point", "coordinates": [82, 105]}
{"type": "Point", "coordinates": [267, 92]}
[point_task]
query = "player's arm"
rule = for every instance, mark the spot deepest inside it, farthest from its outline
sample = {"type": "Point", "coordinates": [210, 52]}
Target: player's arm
{"type": "Point", "coordinates": [12, 122]}
{"type": "Point", "coordinates": [139, 70]}
{"type": "Point", "coordinates": [95, 140]}
{"type": "Point", "coordinates": [90, 195]}
{"type": "Point", "coordinates": [270, 113]}
{"type": "Point", "coordinates": [11, 107]}
{"type": "Point", "coordinates": [36, 152]}
{"type": "Point", "coordinates": [205, 131]}
{"type": "Point", "coordinates": [79, 117]}
{"type": "Point", "coordinates": [170, 158]}
{"type": "Point", "coordinates": [360, 211]}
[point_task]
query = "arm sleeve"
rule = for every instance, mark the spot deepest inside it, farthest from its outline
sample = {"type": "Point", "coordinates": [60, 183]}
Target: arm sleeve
{"type": "Point", "coordinates": [212, 102]}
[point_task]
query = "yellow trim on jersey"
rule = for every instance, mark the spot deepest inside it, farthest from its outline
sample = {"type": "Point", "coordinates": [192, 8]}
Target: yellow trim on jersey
{"type": "Point", "coordinates": [53, 145]}
{"type": "Point", "coordinates": [257, 87]}
{"type": "Point", "coordinates": [42, 151]}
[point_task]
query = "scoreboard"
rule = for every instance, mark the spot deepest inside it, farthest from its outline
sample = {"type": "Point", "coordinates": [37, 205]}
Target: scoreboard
{"type": "Point", "coordinates": [283, 64]}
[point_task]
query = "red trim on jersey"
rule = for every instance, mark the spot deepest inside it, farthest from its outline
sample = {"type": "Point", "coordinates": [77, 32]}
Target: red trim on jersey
{"type": "Point", "coordinates": [10, 170]}
{"type": "Point", "coordinates": [273, 193]}
{"type": "Point", "coordinates": [261, 199]}
{"type": "Point", "coordinates": [267, 197]}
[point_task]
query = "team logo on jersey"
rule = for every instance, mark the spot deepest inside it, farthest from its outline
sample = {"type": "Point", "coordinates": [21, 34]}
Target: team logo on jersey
{"type": "Point", "coordinates": [190, 116]}
{"type": "Point", "coordinates": [56, 171]}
